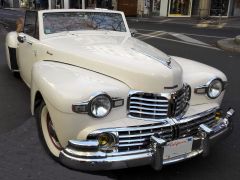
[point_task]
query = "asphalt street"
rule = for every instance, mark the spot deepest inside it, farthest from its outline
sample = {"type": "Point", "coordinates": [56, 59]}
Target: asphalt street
{"type": "Point", "coordinates": [22, 156]}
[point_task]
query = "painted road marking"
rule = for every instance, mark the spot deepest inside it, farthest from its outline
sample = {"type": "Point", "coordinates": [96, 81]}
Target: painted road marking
{"type": "Point", "coordinates": [155, 34]}
{"type": "Point", "coordinates": [188, 39]}
{"type": "Point", "coordinates": [183, 42]}
{"type": "Point", "coordinates": [190, 34]}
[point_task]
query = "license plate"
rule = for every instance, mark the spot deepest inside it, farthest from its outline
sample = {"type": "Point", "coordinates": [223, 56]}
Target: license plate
{"type": "Point", "coordinates": [178, 147]}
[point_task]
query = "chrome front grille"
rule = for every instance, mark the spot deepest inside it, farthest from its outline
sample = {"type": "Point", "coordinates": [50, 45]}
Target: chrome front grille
{"type": "Point", "coordinates": [190, 128]}
{"type": "Point", "coordinates": [138, 137]}
{"type": "Point", "coordinates": [181, 100]}
{"type": "Point", "coordinates": [133, 138]}
{"type": "Point", "coordinates": [158, 106]}
{"type": "Point", "coordinates": [148, 106]}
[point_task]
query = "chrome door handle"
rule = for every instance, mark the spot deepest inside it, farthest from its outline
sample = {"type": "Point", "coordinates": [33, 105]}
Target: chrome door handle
{"type": "Point", "coordinates": [29, 42]}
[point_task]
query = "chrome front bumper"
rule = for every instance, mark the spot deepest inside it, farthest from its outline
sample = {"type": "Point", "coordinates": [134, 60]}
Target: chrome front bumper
{"type": "Point", "coordinates": [84, 155]}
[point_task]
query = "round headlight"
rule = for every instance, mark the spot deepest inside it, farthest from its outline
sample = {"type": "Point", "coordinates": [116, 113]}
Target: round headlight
{"type": "Point", "coordinates": [215, 88]}
{"type": "Point", "coordinates": [100, 106]}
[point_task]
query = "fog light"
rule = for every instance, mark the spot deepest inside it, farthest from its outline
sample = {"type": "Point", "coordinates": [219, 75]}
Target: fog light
{"type": "Point", "coordinates": [106, 141]}
{"type": "Point", "coordinates": [218, 115]}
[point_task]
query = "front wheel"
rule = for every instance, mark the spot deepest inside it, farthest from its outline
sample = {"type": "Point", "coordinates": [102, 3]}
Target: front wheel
{"type": "Point", "coordinates": [47, 132]}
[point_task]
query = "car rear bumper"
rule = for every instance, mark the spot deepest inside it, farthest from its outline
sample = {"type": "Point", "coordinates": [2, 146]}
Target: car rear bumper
{"type": "Point", "coordinates": [86, 156]}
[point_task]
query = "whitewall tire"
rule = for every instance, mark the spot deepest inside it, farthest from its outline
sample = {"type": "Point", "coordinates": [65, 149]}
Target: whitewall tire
{"type": "Point", "coordinates": [47, 132]}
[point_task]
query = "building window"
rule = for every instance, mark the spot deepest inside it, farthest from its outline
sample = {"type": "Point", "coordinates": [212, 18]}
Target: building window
{"type": "Point", "coordinates": [236, 9]}
{"type": "Point", "coordinates": [75, 4]}
{"type": "Point", "coordinates": [219, 7]}
{"type": "Point", "coordinates": [91, 4]}
{"type": "Point", "coordinates": [155, 7]}
{"type": "Point", "coordinates": [180, 7]}
{"type": "Point", "coordinates": [106, 4]}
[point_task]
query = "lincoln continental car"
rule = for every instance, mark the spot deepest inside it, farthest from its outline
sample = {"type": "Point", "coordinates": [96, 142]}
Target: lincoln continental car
{"type": "Point", "coordinates": [106, 100]}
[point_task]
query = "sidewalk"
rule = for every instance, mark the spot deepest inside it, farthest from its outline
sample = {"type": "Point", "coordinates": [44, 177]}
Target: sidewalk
{"type": "Point", "coordinates": [231, 44]}
{"type": "Point", "coordinates": [14, 9]}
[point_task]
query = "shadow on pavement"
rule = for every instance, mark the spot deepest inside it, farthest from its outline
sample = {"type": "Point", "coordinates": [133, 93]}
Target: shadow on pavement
{"type": "Point", "coordinates": [22, 157]}
{"type": "Point", "coordinates": [15, 96]}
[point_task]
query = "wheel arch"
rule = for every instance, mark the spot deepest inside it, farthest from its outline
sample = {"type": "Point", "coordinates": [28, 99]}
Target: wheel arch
{"type": "Point", "coordinates": [37, 101]}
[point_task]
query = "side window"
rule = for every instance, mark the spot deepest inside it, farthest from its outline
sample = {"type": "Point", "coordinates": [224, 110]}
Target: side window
{"type": "Point", "coordinates": [31, 24]}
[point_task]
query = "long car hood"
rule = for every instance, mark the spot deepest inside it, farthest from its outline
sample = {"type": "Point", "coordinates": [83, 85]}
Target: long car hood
{"type": "Point", "coordinates": [137, 64]}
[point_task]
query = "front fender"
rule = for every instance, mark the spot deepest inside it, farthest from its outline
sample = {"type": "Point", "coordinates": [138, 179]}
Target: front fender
{"type": "Point", "coordinates": [63, 85]}
{"type": "Point", "coordinates": [197, 74]}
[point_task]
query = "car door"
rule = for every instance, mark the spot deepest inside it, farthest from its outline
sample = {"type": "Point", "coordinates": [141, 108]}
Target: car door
{"type": "Point", "coordinates": [26, 52]}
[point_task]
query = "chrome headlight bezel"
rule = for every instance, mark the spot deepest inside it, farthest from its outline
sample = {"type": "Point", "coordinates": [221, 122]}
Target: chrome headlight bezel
{"type": "Point", "coordinates": [205, 89]}
{"type": "Point", "coordinates": [85, 107]}
{"type": "Point", "coordinates": [213, 87]}
{"type": "Point", "coordinates": [96, 101]}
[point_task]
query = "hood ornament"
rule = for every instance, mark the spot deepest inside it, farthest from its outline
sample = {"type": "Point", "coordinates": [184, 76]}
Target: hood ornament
{"type": "Point", "coordinates": [169, 61]}
{"type": "Point", "coordinates": [166, 62]}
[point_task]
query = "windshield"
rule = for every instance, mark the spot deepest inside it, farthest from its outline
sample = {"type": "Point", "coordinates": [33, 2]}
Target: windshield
{"type": "Point", "coordinates": [78, 21]}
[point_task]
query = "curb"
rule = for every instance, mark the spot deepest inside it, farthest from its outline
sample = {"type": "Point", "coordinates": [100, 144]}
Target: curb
{"type": "Point", "coordinates": [13, 9]}
{"type": "Point", "coordinates": [214, 26]}
{"type": "Point", "coordinates": [229, 45]}
{"type": "Point", "coordinates": [237, 39]}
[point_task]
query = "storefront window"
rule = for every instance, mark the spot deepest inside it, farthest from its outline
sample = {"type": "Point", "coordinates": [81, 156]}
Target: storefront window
{"type": "Point", "coordinates": [91, 4]}
{"type": "Point", "coordinates": [219, 7]}
{"type": "Point", "coordinates": [155, 7]}
{"type": "Point", "coordinates": [107, 4]}
{"type": "Point", "coordinates": [180, 7]}
{"type": "Point", "coordinates": [36, 4]}
{"type": "Point", "coordinates": [23, 3]}
{"type": "Point", "coordinates": [75, 4]}
{"type": "Point", "coordinates": [236, 10]}
{"type": "Point", "coordinates": [56, 4]}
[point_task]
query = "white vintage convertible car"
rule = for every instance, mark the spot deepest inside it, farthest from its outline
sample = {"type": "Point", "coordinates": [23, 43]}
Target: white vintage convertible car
{"type": "Point", "coordinates": [106, 100]}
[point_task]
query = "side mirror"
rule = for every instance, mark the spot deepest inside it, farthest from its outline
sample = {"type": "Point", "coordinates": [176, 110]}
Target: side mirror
{"type": "Point", "coordinates": [21, 38]}
{"type": "Point", "coordinates": [133, 32]}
